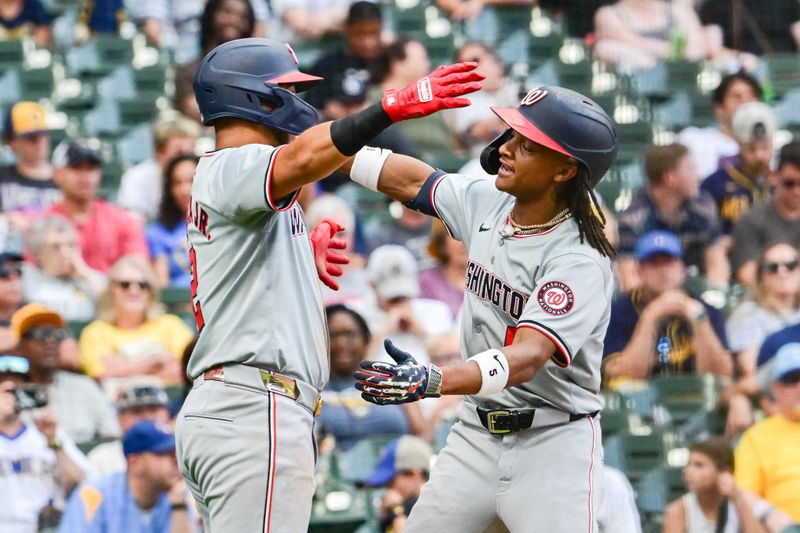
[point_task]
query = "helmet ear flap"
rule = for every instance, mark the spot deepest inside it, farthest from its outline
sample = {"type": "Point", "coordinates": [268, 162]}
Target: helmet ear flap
{"type": "Point", "coordinates": [490, 156]}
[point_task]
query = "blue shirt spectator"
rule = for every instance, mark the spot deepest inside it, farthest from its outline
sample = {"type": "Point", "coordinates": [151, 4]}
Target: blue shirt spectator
{"type": "Point", "coordinates": [103, 16]}
{"type": "Point", "coordinates": [734, 193]}
{"type": "Point", "coordinates": [166, 237]}
{"type": "Point", "coordinates": [31, 14]}
{"type": "Point", "coordinates": [143, 499]}
{"type": "Point", "coordinates": [170, 245]}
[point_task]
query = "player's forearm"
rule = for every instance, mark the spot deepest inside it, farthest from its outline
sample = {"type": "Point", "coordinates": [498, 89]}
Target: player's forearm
{"type": "Point", "coordinates": [524, 360]}
{"type": "Point", "coordinates": [402, 177]}
{"type": "Point", "coordinates": [711, 356]}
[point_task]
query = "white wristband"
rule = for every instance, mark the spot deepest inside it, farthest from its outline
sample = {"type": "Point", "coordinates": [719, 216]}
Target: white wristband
{"type": "Point", "coordinates": [367, 166]}
{"type": "Point", "coordinates": [494, 370]}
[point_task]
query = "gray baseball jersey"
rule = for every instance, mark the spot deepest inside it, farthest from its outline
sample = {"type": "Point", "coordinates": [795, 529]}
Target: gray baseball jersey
{"type": "Point", "coordinates": [550, 282]}
{"type": "Point", "coordinates": [256, 295]}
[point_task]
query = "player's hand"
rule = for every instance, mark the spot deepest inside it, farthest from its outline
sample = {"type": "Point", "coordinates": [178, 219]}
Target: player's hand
{"type": "Point", "coordinates": [325, 259]}
{"type": "Point", "coordinates": [438, 90]}
{"type": "Point", "coordinates": [385, 384]}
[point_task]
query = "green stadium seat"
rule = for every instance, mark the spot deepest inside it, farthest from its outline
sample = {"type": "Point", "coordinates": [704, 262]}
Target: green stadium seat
{"type": "Point", "coordinates": [576, 76]}
{"type": "Point", "coordinates": [339, 508]}
{"type": "Point", "coordinates": [783, 72]}
{"type": "Point", "coordinates": [682, 75]}
{"type": "Point", "coordinates": [174, 297]}
{"type": "Point", "coordinates": [632, 138]}
{"type": "Point", "coordinates": [702, 108]}
{"type": "Point", "coordinates": [138, 110]}
{"type": "Point", "coordinates": [685, 395]}
{"type": "Point", "coordinates": [541, 49]}
{"type": "Point", "coordinates": [12, 53]}
{"type": "Point", "coordinates": [659, 487]}
{"type": "Point", "coordinates": [792, 529]}
{"type": "Point", "coordinates": [614, 421]}
{"type": "Point", "coordinates": [636, 454]}
{"type": "Point", "coordinates": [150, 81]}
{"type": "Point", "coordinates": [358, 462]}
{"type": "Point", "coordinates": [37, 84]}
{"type": "Point", "coordinates": [76, 327]}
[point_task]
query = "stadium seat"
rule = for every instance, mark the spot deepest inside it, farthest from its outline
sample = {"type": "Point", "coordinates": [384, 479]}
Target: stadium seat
{"type": "Point", "coordinates": [575, 76]}
{"type": "Point", "coordinates": [657, 488]}
{"type": "Point", "coordinates": [636, 454]}
{"type": "Point", "coordinates": [339, 508]}
{"type": "Point", "coordinates": [632, 138]}
{"type": "Point", "coordinates": [357, 463]}
{"type": "Point", "coordinates": [613, 421]}
{"type": "Point", "coordinates": [12, 53]}
{"type": "Point", "coordinates": [783, 72]}
{"type": "Point", "coordinates": [37, 84]}
{"type": "Point", "coordinates": [76, 327]}
{"type": "Point", "coordinates": [682, 75]}
{"type": "Point", "coordinates": [175, 297]}
{"type": "Point", "coordinates": [685, 395]}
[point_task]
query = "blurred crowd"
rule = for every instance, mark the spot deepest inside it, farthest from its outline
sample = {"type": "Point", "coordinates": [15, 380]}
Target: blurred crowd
{"type": "Point", "coordinates": [96, 328]}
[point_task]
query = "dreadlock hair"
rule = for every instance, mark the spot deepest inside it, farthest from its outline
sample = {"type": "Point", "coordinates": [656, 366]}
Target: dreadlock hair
{"type": "Point", "coordinates": [585, 209]}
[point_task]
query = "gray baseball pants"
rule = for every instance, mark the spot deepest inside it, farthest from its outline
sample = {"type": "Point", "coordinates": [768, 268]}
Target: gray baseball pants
{"type": "Point", "coordinates": [547, 479]}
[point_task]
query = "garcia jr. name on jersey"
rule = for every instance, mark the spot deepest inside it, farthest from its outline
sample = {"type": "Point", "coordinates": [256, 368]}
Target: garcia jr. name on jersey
{"type": "Point", "coordinates": [488, 287]}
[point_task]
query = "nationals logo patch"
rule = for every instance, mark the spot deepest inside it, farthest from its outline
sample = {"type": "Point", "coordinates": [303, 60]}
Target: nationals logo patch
{"type": "Point", "coordinates": [556, 298]}
{"type": "Point", "coordinates": [533, 96]}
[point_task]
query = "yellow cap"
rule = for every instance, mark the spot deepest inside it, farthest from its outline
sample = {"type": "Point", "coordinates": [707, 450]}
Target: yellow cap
{"type": "Point", "coordinates": [32, 315]}
{"type": "Point", "coordinates": [25, 118]}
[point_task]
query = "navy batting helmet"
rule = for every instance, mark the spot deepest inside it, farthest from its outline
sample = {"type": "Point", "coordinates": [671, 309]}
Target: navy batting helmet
{"type": "Point", "coordinates": [564, 121]}
{"type": "Point", "coordinates": [240, 78]}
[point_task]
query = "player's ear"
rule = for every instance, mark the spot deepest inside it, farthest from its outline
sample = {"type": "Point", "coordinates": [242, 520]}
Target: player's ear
{"type": "Point", "coordinates": [567, 171]}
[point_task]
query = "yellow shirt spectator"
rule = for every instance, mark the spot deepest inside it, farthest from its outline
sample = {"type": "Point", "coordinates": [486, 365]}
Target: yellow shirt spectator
{"type": "Point", "coordinates": [767, 463]}
{"type": "Point", "coordinates": [101, 339]}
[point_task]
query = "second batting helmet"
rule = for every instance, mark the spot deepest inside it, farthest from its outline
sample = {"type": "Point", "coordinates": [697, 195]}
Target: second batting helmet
{"type": "Point", "coordinates": [240, 78]}
{"type": "Point", "coordinates": [562, 120]}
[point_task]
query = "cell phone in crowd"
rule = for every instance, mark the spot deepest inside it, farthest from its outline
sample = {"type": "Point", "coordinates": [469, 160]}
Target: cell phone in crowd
{"type": "Point", "coordinates": [30, 397]}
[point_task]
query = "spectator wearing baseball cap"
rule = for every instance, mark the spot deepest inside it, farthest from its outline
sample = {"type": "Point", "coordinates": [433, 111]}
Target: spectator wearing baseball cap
{"type": "Point", "coordinates": [27, 184]}
{"type": "Point", "coordinates": [744, 181]}
{"type": "Point", "coordinates": [775, 220]}
{"type": "Point", "coordinates": [659, 327]}
{"type": "Point", "coordinates": [397, 311]}
{"type": "Point", "coordinates": [149, 496]}
{"type": "Point", "coordinates": [40, 464]}
{"type": "Point", "coordinates": [106, 232]}
{"type": "Point", "coordinates": [403, 469]}
{"type": "Point", "coordinates": [767, 457]}
{"type": "Point", "coordinates": [82, 409]}
{"type": "Point", "coordinates": [139, 401]}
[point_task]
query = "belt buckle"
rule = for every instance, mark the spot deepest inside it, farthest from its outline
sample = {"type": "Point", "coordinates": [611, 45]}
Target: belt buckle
{"type": "Point", "coordinates": [318, 405]}
{"type": "Point", "coordinates": [279, 384]}
{"type": "Point", "coordinates": [491, 421]}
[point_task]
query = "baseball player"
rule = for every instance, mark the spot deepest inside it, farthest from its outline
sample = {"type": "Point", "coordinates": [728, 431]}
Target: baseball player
{"type": "Point", "coordinates": [244, 434]}
{"type": "Point", "coordinates": [525, 454]}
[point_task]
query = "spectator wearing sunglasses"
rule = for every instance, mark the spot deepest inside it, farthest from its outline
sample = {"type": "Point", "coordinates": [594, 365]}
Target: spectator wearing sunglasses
{"type": "Point", "coordinates": [83, 411]}
{"type": "Point", "coordinates": [132, 337]}
{"type": "Point", "coordinates": [138, 401]}
{"type": "Point", "coordinates": [767, 461]}
{"type": "Point", "coordinates": [59, 277]}
{"type": "Point", "coordinates": [10, 296]}
{"type": "Point", "coordinates": [776, 220]}
{"type": "Point", "coordinates": [773, 305]}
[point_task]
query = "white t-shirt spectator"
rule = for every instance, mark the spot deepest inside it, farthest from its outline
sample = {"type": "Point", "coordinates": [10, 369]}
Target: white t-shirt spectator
{"type": "Point", "coordinates": [707, 146]}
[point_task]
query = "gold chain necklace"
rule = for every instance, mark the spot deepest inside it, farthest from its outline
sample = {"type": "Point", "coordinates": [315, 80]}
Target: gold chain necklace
{"type": "Point", "coordinates": [519, 229]}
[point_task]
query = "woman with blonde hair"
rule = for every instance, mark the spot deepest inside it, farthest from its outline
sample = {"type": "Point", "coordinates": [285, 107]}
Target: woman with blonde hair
{"type": "Point", "coordinates": [773, 305]}
{"type": "Point", "coordinates": [132, 336]}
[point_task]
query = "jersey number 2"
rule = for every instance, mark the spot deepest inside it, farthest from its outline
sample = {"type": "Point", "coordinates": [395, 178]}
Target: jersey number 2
{"type": "Point", "coordinates": [198, 312]}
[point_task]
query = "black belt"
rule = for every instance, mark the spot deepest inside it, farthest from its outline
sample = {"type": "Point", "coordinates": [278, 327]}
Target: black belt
{"type": "Point", "coordinates": [502, 421]}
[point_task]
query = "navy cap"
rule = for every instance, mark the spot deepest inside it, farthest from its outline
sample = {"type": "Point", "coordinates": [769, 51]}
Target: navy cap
{"type": "Point", "coordinates": [406, 453]}
{"type": "Point", "coordinates": [657, 242]}
{"type": "Point", "coordinates": [73, 152]}
{"type": "Point", "coordinates": [148, 436]}
{"type": "Point", "coordinates": [787, 360]}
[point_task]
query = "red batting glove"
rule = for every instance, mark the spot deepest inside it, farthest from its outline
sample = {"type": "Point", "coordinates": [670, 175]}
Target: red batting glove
{"type": "Point", "coordinates": [436, 91]}
{"type": "Point", "coordinates": [325, 259]}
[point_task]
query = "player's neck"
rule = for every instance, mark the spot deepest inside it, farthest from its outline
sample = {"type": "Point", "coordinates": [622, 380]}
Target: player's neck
{"type": "Point", "coordinates": [77, 208]}
{"type": "Point", "coordinates": [536, 211]}
{"type": "Point", "coordinates": [709, 500]}
{"type": "Point", "coordinates": [232, 134]}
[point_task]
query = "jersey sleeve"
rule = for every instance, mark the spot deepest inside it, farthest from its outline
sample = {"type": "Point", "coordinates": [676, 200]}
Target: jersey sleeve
{"type": "Point", "coordinates": [240, 180]}
{"type": "Point", "coordinates": [456, 200]}
{"type": "Point", "coordinates": [567, 304]}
